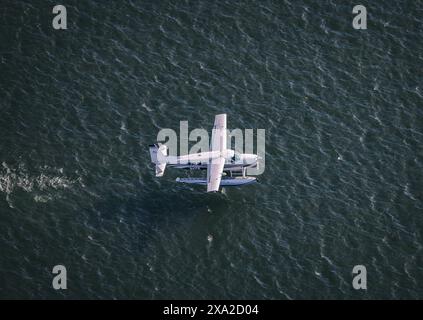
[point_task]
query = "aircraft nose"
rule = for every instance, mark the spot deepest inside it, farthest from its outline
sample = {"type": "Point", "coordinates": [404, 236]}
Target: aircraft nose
{"type": "Point", "coordinates": [250, 158]}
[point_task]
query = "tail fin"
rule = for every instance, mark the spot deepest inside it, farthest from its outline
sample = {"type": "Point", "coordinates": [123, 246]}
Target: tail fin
{"type": "Point", "coordinates": [158, 154]}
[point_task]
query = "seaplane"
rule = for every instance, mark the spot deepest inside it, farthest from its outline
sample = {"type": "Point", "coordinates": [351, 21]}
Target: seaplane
{"type": "Point", "coordinates": [219, 161]}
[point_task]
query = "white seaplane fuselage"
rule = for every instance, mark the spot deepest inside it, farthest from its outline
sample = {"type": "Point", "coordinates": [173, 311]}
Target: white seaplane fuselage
{"type": "Point", "coordinates": [234, 162]}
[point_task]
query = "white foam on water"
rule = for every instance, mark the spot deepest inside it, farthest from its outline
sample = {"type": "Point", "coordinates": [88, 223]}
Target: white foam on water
{"type": "Point", "coordinates": [12, 179]}
{"type": "Point", "coordinates": [43, 199]}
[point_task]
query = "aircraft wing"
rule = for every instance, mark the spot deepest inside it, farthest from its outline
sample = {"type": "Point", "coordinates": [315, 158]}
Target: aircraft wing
{"type": "Point", "coordinates": [218, 143]}
{"type": "Point", "coordinates": [214, 173]}
{"type": "Point", "coordinates": [218, 139]}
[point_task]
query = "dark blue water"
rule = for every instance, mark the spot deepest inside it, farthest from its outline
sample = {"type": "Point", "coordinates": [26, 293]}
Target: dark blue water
{"type": "Point", "coordinates": [342, 110]}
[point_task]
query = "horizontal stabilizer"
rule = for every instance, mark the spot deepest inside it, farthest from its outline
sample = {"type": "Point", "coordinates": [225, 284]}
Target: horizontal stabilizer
{"type": "Point", "coordinates": [158, 154]}
{"type": "Point", "coordinates": [160, 169]}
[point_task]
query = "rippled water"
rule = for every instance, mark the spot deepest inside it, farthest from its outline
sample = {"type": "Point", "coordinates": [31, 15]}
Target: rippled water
{"type": "Point", "coordinates": [343, 115]}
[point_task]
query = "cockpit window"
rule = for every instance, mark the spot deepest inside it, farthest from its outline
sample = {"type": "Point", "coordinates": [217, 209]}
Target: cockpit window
{"type": "Point", "coordinates": [236, 157]}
